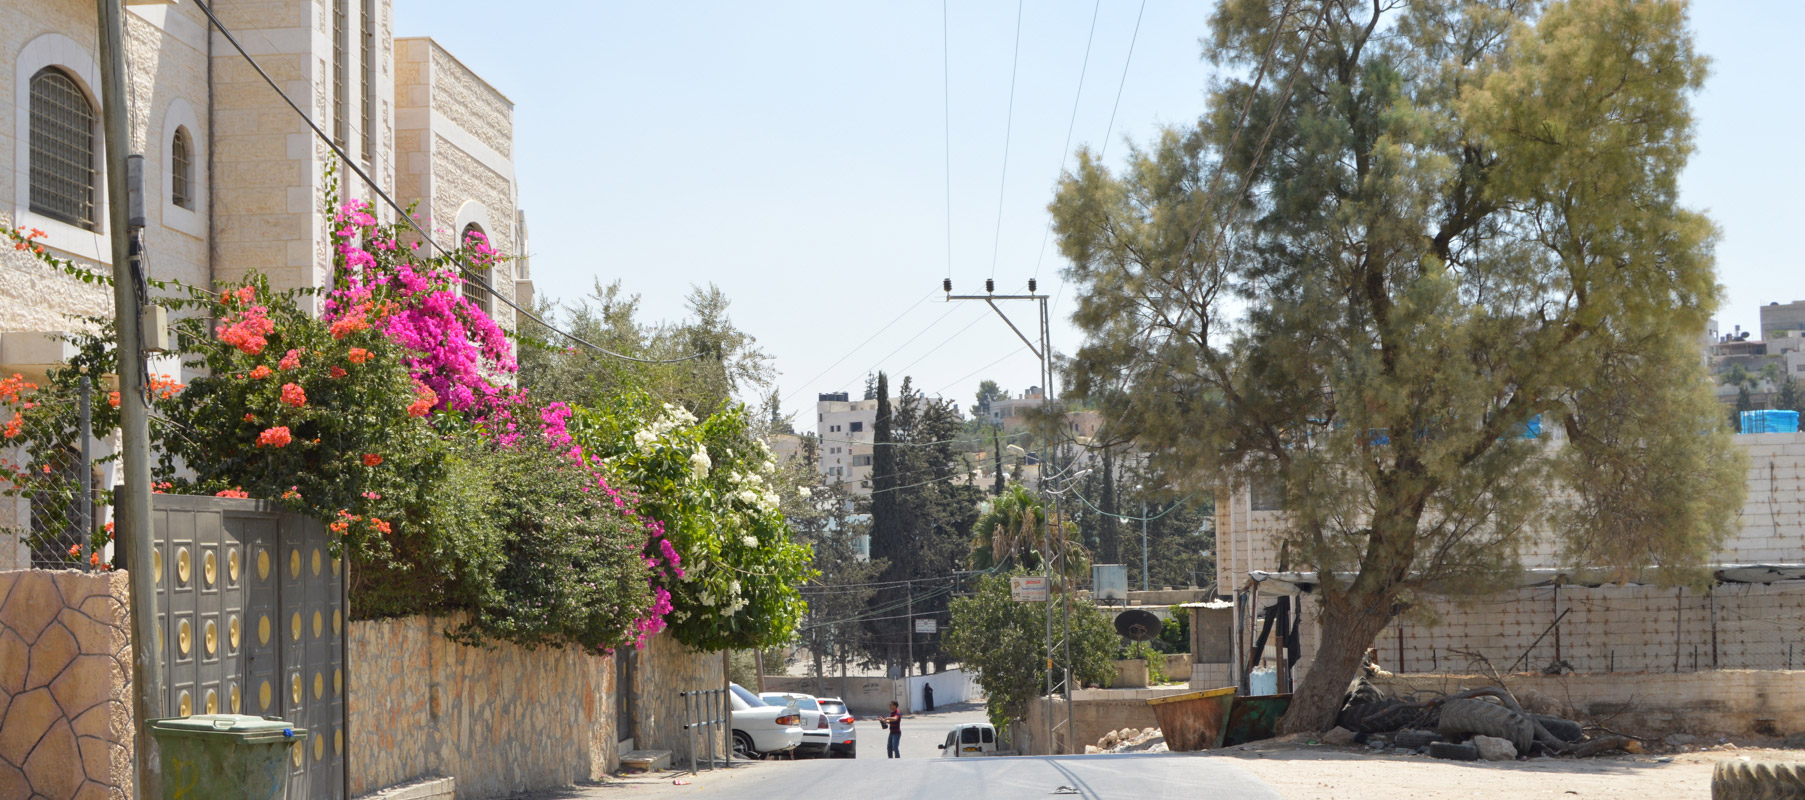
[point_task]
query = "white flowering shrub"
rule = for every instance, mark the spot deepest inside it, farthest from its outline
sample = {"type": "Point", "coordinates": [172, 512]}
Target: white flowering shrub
{"type": "Point", "coordinates": [712, 486]}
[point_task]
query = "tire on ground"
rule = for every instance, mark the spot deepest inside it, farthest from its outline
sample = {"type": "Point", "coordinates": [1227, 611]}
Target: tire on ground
{"type": "Point", "coordinates": [1563, 729]}
{"type": "Point", "coordinates": [1411, 740]}
{"type": "Point", "coordinates": [1377, 717]}
{"type": "Point", "coordinates": [1757, 780]}
{"type": "Point", "coordinates": [1453, 751]}
{"type": "Point", "coordinates": [1476, 717]}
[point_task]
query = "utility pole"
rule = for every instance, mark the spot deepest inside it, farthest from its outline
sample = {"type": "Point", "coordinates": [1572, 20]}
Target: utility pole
{"type": "Point", "coordinates": [909, 669]}
{"type": "Point", "coordinates": [133, 530]}
{"type": "Point", "coordinates": [1062, 684]}
{"type": "Point", "coordinates": [1143, 541]}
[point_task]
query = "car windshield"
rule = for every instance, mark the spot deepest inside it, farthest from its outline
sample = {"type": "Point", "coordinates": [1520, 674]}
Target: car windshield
{"type": "Point", "coordinates": [751, 700]}
{"type": "Point", "coordinates": [833, 707]}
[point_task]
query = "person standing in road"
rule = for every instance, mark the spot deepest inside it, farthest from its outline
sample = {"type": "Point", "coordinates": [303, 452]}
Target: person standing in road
{"type": "Point", "coordinates": [893, 722]}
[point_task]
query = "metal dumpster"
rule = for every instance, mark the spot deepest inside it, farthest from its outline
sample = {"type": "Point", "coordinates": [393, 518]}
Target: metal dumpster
{"type": "Point", "coordinates": [1194, 720]}
{"type": "Point", "coordinates": [1254, 717]}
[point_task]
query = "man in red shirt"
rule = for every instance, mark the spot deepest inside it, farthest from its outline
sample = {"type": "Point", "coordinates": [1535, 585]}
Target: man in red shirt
{"type": "Point", "coordinates": [894, 723]}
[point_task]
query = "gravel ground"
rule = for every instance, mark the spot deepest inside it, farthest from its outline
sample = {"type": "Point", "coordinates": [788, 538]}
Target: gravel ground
{"type": "Point", "coordinates": [1319, 772]}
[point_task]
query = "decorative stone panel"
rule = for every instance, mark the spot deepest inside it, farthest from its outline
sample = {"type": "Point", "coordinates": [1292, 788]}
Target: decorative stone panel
{"type": "Point", "coordinates": [65, 671]}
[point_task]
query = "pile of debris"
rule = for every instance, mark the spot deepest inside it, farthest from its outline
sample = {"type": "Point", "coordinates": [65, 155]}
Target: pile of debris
{"type": "Point", "coordinates": [1477, 724]}
{"type": "Point", "coordinates": [1129, 740]}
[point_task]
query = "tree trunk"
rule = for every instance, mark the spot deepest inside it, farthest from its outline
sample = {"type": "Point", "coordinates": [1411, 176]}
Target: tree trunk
{"type": "Point", "coordinates": [1348, 628]}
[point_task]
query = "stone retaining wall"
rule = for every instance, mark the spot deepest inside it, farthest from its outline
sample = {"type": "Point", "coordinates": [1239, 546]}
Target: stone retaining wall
{"type": "Point", "coordinates": [501, 719]}
{"type": "Point", "coordinates": [65, 670]}
{"type": "Point", "coordinates": [1736, 702]}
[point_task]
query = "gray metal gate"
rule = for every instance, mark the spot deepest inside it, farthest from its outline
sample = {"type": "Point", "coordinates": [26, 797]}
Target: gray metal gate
{"type": "Point", "coordinates": [254, 604]}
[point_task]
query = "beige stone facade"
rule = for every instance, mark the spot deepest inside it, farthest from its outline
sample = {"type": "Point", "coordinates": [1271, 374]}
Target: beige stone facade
{"type": "Point", "coordinates": [258, 170]}
{"type": "Point", "coordinates": [65, 667]}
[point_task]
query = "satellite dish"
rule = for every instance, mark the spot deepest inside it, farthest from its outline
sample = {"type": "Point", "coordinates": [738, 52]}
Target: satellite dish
{"type": "Point", "coordinates": [1138, 625]}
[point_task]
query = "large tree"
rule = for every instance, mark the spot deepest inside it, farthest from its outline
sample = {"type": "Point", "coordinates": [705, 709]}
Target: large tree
{"type": "Point", "coordinates": [1401, 236]}
{"type": "Point", "coordinates": [921, 520]}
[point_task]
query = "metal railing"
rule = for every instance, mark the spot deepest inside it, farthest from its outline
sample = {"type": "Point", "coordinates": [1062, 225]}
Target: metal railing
{"type": "Point", "coordinates": [706, 715]}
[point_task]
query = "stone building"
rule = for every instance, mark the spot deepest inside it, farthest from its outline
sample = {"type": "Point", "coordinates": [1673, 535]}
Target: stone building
{"type": "Point", "coordinates": [234, 178]}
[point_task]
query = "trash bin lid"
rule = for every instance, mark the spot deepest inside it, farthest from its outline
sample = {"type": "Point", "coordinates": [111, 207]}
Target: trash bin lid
{"type": "Point", "coordinates": [242, 727]}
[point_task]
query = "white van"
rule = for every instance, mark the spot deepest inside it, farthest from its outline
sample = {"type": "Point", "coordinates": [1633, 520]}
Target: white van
{"type": "Point", "coordinates": [970, 740]}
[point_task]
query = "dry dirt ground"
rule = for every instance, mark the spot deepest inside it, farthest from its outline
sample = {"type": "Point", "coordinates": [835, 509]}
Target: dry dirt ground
{"type": "Point", "coordinates": [1301, 771]}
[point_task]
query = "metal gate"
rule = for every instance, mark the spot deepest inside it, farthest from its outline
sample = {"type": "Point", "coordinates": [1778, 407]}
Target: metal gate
{"type": "Point", "coordinates": [254, 604]}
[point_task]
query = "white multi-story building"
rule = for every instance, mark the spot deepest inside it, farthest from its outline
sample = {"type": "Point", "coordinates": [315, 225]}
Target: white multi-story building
{"type": "Point", "coordinates": [844, 427]}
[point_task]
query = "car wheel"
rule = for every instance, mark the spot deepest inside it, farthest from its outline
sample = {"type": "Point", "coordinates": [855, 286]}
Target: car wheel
{"type": "Point", "coordinates": [742, 746]}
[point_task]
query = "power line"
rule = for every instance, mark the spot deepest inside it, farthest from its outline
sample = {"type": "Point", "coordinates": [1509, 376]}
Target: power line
{"type": "Point", "coordinates": [1069, 126]}
{"type": "Point", "coordinates": [1111, 129]}
{"type": "Point", "coordinates": [946, 120]}
{"type": "Point", "coordinates": [911, 340]}
{"type": "Point", "coordinates": [968, 375]}
{"type": "Point", "coordinates": [345, 158]}
{"type": "Point", "coordinates": [860, 345]}
{"type": "Point", "coordinates": [1126, 63]}
{"type": "Point", "coordinates": [1008, 131]}
{"type": "Point", "coordinates": [936, 348]}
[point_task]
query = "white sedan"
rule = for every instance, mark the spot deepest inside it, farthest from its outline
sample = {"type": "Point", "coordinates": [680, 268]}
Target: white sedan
{"type": "Point", "coordinates": [759, 728]}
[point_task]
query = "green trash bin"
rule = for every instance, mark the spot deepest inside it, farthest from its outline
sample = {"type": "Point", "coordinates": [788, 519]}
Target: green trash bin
{"type": "Point", "coordinates": [226, 756]}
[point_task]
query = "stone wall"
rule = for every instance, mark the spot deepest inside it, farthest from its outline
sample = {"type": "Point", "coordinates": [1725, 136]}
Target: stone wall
{"type": "Point", "coordinates": [664, 668]}
{"type": "Point", "coordinates": [65, 669]}
{"type": "Point", "coordinates": [1095, 712]}
{"type": "Point", "coordinates": [1726, 702]}
{"type": "Point", "coordinates": [501, 719]}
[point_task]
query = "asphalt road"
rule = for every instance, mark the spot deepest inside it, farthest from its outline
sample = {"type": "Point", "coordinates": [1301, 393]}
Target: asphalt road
{"type": "Point", "coordinates": [920, 731]}
{"type": "Point", "coordinates": [1140, 776]}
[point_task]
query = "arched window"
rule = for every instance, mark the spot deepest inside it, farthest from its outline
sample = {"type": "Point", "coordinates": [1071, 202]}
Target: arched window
{"type": "Point", "coordinates": [181, 169]}
{"type": "Point", "coordinates": [473, 291]}
{"type": "Point", "coordinates": [62, 149]}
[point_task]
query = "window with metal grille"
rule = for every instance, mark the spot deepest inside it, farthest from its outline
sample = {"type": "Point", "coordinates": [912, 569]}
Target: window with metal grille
{"type": "Point", "coordinates": [340, 30]}
{"type": "Point", "coordinates": [368, 139]}
{"type": "Point", "coordinates": [474, 291]}
{"type": "Point", "coordinates": [62, 149]}
{"type": "Point", "coordinates": [181, 170]}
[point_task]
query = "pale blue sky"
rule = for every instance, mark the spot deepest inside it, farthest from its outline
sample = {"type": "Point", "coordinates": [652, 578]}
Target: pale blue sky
{"type": "Point", "coordinates": [792, 152]}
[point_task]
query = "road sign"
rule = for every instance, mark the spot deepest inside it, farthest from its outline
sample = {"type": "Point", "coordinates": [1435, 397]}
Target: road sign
{"type": "Point", "coordinates": [1028, 589]}
{"type": "Point", "coordinates": [927, 626]}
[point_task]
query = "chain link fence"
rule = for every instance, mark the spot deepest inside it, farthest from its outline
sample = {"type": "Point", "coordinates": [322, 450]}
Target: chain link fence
{"type": "Point", "coordinates": [52, 500]}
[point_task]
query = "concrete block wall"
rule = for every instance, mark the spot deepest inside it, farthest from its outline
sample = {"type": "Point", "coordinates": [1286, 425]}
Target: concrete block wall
{"type": "Point", "coordinates": [1770, 527]}
{"type": "Point", "coordinates": [65, 672]}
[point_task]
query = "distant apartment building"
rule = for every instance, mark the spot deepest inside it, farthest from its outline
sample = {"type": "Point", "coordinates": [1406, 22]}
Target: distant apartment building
{"type": "Point", "coordinates": [1772, 353]}
{"type": "Point", "coordinates": [844, 427]}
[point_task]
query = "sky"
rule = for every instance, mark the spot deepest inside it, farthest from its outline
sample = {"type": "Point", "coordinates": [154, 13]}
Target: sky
{"type": "Point", "coordinates": [796, 154]}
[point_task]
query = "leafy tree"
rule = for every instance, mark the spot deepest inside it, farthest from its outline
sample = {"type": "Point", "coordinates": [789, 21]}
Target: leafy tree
{"type": "Point", "coordinates": [837, 597]}
{"type": "Point", "coordinates": [1790, 397]}
{"type": "Point", "coordinates": [1004, 643]}
{"type": "Point", "coordinates": [921, 519]}
{"type": "Point", "coordinates": [988, 391]}
{"type": "Point", "coordinates": [1439, 222]}
{"type": "Point", "coordinates": [727, 361]}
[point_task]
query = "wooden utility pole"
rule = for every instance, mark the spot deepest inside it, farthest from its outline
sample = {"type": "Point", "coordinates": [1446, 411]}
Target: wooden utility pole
{"type": "Point", "coordinates": [133, 528]}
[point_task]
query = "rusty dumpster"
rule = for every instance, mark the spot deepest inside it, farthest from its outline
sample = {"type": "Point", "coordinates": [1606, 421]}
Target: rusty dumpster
{"type": "Point", "coordinates": [1193, 720]}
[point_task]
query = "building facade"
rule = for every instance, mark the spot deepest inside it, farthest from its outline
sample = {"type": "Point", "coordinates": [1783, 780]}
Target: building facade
{"type": "Point", "coordinates": [844, 427]}
{"type": "Point", "coordinates": [234, 179]}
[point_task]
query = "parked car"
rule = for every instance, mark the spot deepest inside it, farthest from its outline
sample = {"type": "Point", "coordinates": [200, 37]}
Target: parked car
{"type": "Point", "coordinates": [844, 741]}
{"type": "Point", "coordinates": [817, 732]}
{"type": "Point", "coordinates": [761, 729]}
{"type": "Point", "coordinates": [970, 740]}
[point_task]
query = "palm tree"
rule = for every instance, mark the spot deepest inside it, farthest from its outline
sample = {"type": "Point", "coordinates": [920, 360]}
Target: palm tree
{"type": "Point", "coordinates": [1011, 532]}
